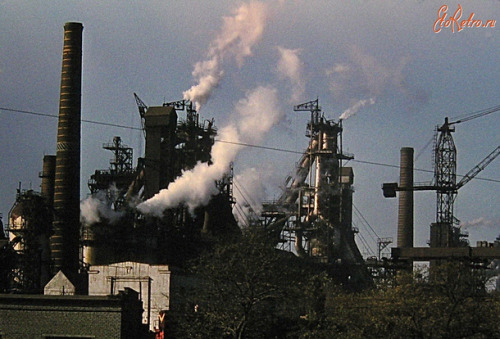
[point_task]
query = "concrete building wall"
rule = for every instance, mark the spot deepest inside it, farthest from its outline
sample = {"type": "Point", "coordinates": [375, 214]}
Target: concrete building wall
{"type": "Point", "coordinates": [152, 282]}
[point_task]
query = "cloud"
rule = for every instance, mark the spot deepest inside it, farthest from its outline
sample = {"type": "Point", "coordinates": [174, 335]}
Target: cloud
{"type": "Point", "coordinates": [367, 76]}
{"type": "Point", "coordinates": [257, 113]}
{"type": "Point", "coordinates": [290, 67]}
{"type": "Point", "coordinates": [239, 33]}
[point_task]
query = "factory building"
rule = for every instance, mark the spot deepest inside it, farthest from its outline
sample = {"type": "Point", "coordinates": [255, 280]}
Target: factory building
{"type": "Point", "coordinates": [84, 267]}
{"type": "Point", "coordinates": [161, 288]}
{"type": "Point", "coordinates": [147, 253]}
{"type": "Point", "coordinates": [71, 316]}
{"type": "Point", "coordinates": [130, 250]}
{"type": "Point", "coordinates": [173, 145]}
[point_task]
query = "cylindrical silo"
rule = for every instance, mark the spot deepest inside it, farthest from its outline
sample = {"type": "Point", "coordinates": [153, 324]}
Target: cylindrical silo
{"type": "Point", "coordinates": [64, 242]}
{"type": "Point", "coordinates": [405, 211]}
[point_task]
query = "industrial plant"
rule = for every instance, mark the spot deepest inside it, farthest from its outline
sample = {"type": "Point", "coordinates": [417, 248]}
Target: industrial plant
{"type": "Point", "coordinates": [105, 252]}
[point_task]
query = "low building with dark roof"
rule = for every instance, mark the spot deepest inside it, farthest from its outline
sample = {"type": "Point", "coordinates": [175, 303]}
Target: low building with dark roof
{"type": "Point", "coordinates": [72, 316]}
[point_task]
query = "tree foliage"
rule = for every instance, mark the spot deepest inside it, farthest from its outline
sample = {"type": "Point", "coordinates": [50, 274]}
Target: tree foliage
{"type": "Point", "coordinates": [450, 301]}
{"type": "Point", "coordinates": [248, 289]}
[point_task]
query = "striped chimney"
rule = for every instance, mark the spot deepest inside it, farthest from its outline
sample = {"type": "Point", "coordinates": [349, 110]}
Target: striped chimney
{"type": "Point", "coordinates": [64, 242]}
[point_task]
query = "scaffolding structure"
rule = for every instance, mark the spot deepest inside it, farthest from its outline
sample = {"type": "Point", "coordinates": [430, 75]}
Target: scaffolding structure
{"type": "Point", "coordinates": [314, 213]}
{"type": "Point", "coordinates": [29, 228]}
{"type": "Point", "coordinates": [115, 180]}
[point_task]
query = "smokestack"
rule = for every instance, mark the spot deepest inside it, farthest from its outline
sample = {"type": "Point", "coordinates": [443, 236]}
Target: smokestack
{"type": "Point", "coordinates": [64, 243]}
{"type": "Point", "coordinates": [48, 177]}
{"type": "Point", "coordinates": [405, 212]}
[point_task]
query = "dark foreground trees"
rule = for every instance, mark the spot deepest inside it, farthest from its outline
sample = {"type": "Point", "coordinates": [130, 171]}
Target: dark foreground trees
{"type": "Point", "coordinates": [248, 289]}
{"type": "Point", "coordinates": [450, 301]}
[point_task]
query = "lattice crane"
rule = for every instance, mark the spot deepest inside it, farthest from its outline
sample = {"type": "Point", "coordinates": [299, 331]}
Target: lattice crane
{"type": "Point", "coordinates": [445, 164]}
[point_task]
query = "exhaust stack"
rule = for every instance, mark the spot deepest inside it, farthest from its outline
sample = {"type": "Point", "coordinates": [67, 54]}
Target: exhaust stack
{"type": "Point", "coordinates": [405, 215]}
{"type": "Point", "coordinates": [64, 243]}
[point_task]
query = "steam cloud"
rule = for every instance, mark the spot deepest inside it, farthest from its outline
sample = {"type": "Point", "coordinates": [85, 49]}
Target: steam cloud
{"type": "Point", "coordinates": [479, 222]}
{"type": "Point", "coordinates": [256, 114]}
{"type": "Point", "coordinates": [356, 107]}
{"type": "Point", "coordinates": [291, 67]}
{"type": "Point", "coordinates": [95, 208]}
{"type": "Point", "coordinates": [238, 35]}
{"type": "Point", "coordinates": [250, 191]}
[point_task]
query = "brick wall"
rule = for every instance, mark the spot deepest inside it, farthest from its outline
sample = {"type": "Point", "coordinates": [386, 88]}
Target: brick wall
{"type": "Point", "coordinates": [37, 316]}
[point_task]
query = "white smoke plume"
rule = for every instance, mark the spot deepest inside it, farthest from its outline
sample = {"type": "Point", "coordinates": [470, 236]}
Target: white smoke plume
{"type": "Point", "coordinates": [238, 35]}
{"type": "Point", "coordinates": [291, 67]}
{"type": "Point", "coordinates": [480, 222]}
{"type": "Point", "coordinates": [196, 186]}
{"type": "Point", "coordinates": [249, 192]}
{"type": "Point", "coordinates": [256, 114]}
{"type": "Point", "coordinates": [356, 107]}
{"type": "Point", "coordinates": [97, 207]}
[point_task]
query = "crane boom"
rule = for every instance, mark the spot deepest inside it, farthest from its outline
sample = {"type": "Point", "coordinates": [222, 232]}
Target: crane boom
{"type": "Point", "coordinates": [479, 167]}
{"type": "Point", "coordinates": [307, 106]}
{"type": "Point", "coordinates": [478, 114]}
{"type": "Point", "coordinates": [142, 111]}
{"type": "Point", "coordinates": [313, 107]}
{"type": "Point", "coordinates": [390, 189]}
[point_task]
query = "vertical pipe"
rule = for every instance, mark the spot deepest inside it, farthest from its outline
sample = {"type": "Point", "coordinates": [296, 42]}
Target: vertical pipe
{"type": "Point", "coordinates": [318, 175]}
{"type": "Point", "coordinates": [298, 233]}
{"type": "Point", "coordinates": [405, 211]}
{"type": "Point", "coordinates": [149, 302]}
{"type": "Point", "coordinates": [66, 226]}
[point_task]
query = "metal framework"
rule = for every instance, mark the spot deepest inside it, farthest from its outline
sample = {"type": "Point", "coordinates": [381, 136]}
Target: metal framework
{"type": "Point", "coordinates": [382, 244]}
{"type": "Point", "coordinates": [29, 230]}
{"type": "Point", "coordinates": [314, 213]}
{"type": "Point", "coordinates": [445, 174]}
{"type": "Point", "coordinates": [122, 161]}
{"type": "Point", "coordinates": [142, 112]}
{"type": "Point", "coordinates": [116, 180]}
{"type": "Point", "coordinates": [444, 232]}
